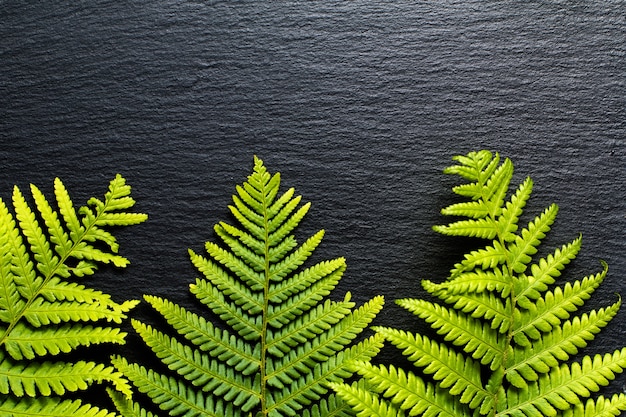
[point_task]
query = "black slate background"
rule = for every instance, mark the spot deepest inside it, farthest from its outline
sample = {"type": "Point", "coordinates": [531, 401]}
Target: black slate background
{"type": "Point", "coordinates": [359, 105]}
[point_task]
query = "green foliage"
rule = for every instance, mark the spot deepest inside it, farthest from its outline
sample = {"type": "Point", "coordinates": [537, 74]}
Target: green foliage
{"type": "Point", "coordinates": [276, 339]}
{"type": "Point", "coordinates": [509, 338]}
{"type": "Point", "coordinates": [44, 312]}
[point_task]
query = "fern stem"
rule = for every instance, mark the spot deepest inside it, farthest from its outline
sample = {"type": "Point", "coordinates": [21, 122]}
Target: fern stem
{"type": "Point", "coordinates": [501, 374]}
{"type": "Point", "coordinates": [265, 312]}
{"type": "Point", "coordinates": [496, 382]}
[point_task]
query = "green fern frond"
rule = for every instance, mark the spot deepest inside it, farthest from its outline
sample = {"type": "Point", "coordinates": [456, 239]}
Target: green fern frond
{"type": "Point", "coordinates": [602, 407]}
{"type": "Point", "coordinates": [506, 329]}
{"type": "Point", "coordinates": [43, 313]}
{"type": "Point", "coordinates": [554, 306]}
{"type": "Point", "coordinates": [483, 343]}
{"type": "Point", "coordinates": [170, 394]}
{"type": "Point", "coordinates": [543, 273]}
{"type": "Point", "coordinates": [279, 341]}
{"type": "Point", "coordinates": [127, 407]}
{"type": "Point", "coordinates": [565, 385]}
{"type": "Point", "coordinates": [364, 403]}
{"type": "Point", "coordinates": [216, 342]}
{"type": "Point", "coordinates": [23, 343]}
{"type": "Point", "coordinates": [329, 407]}
{"type": "Point", "coordinates": [49, 407]}
{"type": "Point", "coordinates": [46, 378]}
{"type": "Point", "coordinates": [557, 346]}
{"type": "Point", "coordinates": [458, 374]}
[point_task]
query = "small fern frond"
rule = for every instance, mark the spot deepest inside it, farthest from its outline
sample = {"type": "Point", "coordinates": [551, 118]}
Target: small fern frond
{"type": "Point", "coordinates": [481, 342]}
{"type": "Point", "coordinates": [216, 342]}
{"type": "Point", "coordinates": [525, 244]}
{"type": "Point", "coordinates": [487, 258]}
{"type": "Point", "coordinates": [554, 306]}
{"type": "Point", "coordinates": [458, 374]}
{"type": "Point", "coordinates": [49, 406]}
{"type": "Point", "coordinates": [171, 395]}
{"type": "Point", "coordinates": [330, 407]}
{"type": "Point", "coordinates": [278, 340]}
{"type": "Point", "coordinates": [23, 343]}
{"type": "Point", "coordinates": [46, 378]}
{"type": "Point", "coordinates": [543, 273]}
{"type": "Point", "coordinates": [557, 346]}
{"type": "Point", "coordinates": [602, 407]}
{"type": "Point", "coordinates": [126, 406]}
{"type": "Point", "coordinates": [565, 385]}
{"type": "Point", "coordinates": [197, 368]}
{"type": "Point", "coordinates": [364, 403]}
{"type": "Point", "coordinates": [506, 331]}
{"type": "Point", "coordinates": [43, 312]}
{"type": "Point", "coordinates": [486, 306]}
{"type": "Point", "coordinates": [476, 281]}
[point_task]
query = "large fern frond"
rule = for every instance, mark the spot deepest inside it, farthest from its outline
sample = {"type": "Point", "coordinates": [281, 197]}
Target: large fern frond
{"type": "Point", "coordinates": [506, 331]}
{"type": "Point", "coordinates": [44, 312]}
{"type": "Point", "coordinates": [279, 341]}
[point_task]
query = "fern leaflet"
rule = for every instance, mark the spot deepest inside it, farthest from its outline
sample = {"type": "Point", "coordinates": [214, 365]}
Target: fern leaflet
{"type": "Point", "coordinates": [280, 340]}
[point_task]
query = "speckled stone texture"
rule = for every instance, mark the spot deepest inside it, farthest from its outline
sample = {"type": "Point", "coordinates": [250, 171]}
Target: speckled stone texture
{"type": "Point", "coordinates": [360, 105]}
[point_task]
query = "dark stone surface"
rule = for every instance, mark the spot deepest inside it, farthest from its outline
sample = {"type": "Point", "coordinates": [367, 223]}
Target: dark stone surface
{"type": "Point", "coordinates": [359, 105]}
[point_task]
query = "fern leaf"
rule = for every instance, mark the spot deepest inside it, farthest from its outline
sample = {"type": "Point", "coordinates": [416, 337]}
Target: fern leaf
{"type": "Point", "coordinates": [169, 394]}
{"type": "Point", "coordinates": [495, 188]}
{"type": "Point", "coordinates": [564, 385]}
{"type": "Point", "coordinates": [487, 258]}
{"type": "Point", "coordinates": [474, 282]}
{"type": "Point", "coordinates": [24, 343]}
{"type": "Point", "coordinates": [525, 244]}
{"type": "Point", "coordinates": [557, 346]}
{"type": "Point", "coordinates": [507, 221]}
{"type": "Point", "coordinates": [323, 347]}
{"type": "Point", "coordinates": [602, 407]}
{"type": "Point", "coordinates": [485, 306]}
{"type": "Point", "coordinates": [46, 261]}
{"type": "Point", "coordinates": [529, 287]}
{"type": "Point", "coordinates": [308, 326]}
{"type": "Point", "coordinates": [244, 271]}
{"type": "Point", "coordinates": [127, 407]}
{"type": "Point", "coordinates": [407, 391]}
{"type": "Point", "coordinates": [11, 302]}
{"type": "Point", "coordinates": [49, 406]}
{"type": "Point", "coordinates": [481, 342]}
{"type": "Point", "coordinates": [246, 325]}
{"type": "Point", "coordinates": [49, 378]}
{"type": "Point", "coordinates": [475, 166]}
{"type": "Point", "coordinates": [331, 407]}
{"type": "Point", "coordinates": [43, 312]}
{"type": "Point", "coordinates": [505, 334]}
{"type": "Point", "coordinates": [216, 342]}
{"type": "Point", "coordinates": [459, 375]}
{"type": "Point", "coordinates": [294, 260]}
{"type": "Point", "coordinates": [58, 236]}
{"type": "Point", "coordinates": [200, 370]}
{"type": "Point", "coordinates": [59, 290]}
{"type": "Point", "coordinates": [66, 208]}
{"type": "Point", "coordinates": [364, 403]}
{"type": "Point", "coordinates": [243, 297]}
{"type": "Point", "coordinates": [303, 291]}
{"type": "Point", "coordinates": [471, 209]}
{"type": "Point", "coordinates": [480, 228]}
{"type": "Point", "coordinates": [278, 340]}
{"type": "Point", "coordinates": [553, 307]}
